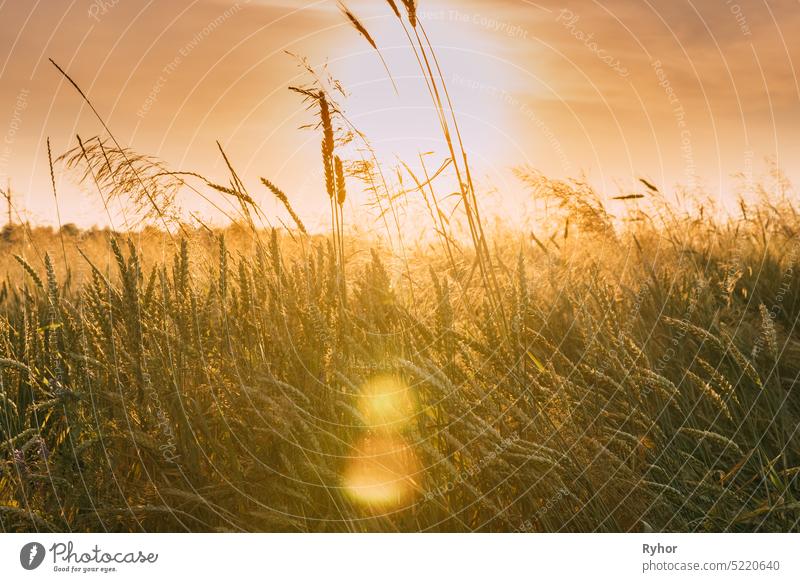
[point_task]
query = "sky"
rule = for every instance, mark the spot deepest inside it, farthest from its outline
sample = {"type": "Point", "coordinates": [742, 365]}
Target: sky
{"type": "Point", "coordinates": [692, 94]}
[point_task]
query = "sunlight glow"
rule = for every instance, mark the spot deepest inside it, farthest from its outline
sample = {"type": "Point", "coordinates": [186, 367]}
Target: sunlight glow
{"type": "Point", "coordinates": [381, 476]}
{"type": "Point", "coordinates": [386, 402]}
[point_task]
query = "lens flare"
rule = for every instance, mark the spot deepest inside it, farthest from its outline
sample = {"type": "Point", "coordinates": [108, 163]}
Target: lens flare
{"type": "Point", "coordinates": [380, 476]}
{"type": "Point", "coordinates": [386, 403]}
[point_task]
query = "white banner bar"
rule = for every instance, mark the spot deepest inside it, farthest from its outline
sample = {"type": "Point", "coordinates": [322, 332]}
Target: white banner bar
{"type": "Point", "coordinates": [402, 557]}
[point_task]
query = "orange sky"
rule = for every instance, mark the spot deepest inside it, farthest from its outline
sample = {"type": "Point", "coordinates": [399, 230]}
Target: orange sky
{"type": "Point", "coordinates": [678, 92]}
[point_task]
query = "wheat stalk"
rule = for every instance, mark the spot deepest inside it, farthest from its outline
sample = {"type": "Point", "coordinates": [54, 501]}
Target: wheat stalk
{"type": "Point", "coordinates": [279, 194]}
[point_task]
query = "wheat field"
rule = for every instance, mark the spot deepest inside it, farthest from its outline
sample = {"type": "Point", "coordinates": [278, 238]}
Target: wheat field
{"type": "Point", "coordinates": [611, 376]}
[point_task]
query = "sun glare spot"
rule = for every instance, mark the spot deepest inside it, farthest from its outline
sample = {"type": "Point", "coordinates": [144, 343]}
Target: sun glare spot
{"type": "Point", "coordinates": [381, 476]}
{"type": "Point", "coordinates": [380, 473]}
{"type": "Point", "coordinates": [386, 402]}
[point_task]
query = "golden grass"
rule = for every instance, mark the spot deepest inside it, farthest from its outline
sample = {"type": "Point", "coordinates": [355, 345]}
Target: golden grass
{"type": "Point", "coordinates": [631, 376]}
